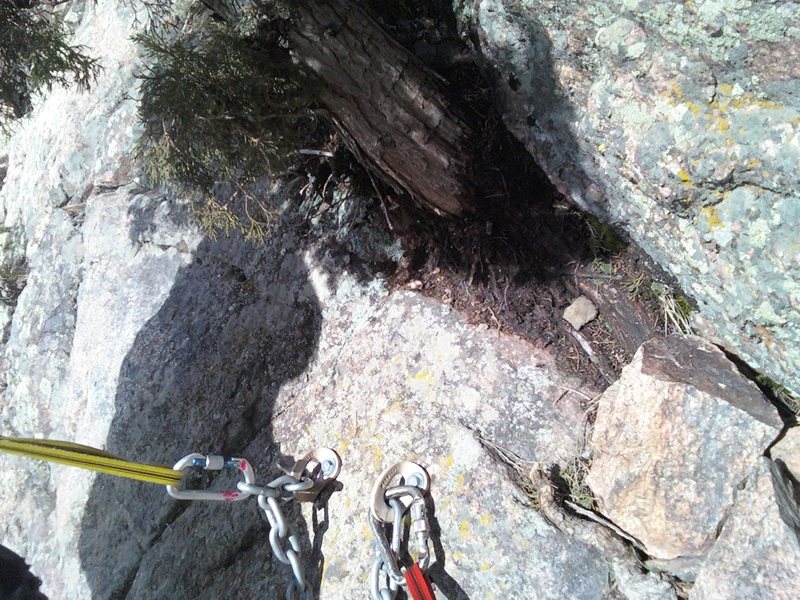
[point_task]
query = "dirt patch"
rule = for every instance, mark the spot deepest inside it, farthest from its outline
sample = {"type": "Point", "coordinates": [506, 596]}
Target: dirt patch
{"type": "Point", "coordinates": [526, 253]}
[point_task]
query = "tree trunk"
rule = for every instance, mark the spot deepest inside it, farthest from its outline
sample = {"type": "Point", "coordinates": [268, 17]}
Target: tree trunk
{"type": "Point", "coordinates": [387, 103]}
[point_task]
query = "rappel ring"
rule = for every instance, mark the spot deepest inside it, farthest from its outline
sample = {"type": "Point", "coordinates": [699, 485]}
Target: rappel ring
{"type": "Point", "coordinates": [410, 474]}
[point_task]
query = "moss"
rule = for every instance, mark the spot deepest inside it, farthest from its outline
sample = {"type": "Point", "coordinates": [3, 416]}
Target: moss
{"type": "Point", "coordinates": [684, 308]}
{"type": "Point", "coordinates": [603, 239]}
{"type": "Point", "coordinates": [778, 393]}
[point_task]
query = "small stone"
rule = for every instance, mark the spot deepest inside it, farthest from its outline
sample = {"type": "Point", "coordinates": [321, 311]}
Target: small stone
{"type": "Point", "coordinates": [580, 312]}
{"type": "Point", "coordinates": [665, 466]}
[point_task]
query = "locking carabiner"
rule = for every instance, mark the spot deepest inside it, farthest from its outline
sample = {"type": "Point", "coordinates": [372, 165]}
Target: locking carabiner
{"type": "Point", "coordinates": [213, 462]}
{"type": "Point", "coordinates": [400, 491]}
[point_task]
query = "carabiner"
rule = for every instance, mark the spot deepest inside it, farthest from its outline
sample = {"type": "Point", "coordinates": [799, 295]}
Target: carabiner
{"type": "Point", "coordinates": [213, 462]}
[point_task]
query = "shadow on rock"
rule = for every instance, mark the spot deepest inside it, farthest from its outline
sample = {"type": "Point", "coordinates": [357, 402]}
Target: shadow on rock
{"type": "Point", "coordinates": [447, 586]}
{"type": "Point", "coordinates": [203, 376]}
{"type": "Point", "coordinates": [16, 579]}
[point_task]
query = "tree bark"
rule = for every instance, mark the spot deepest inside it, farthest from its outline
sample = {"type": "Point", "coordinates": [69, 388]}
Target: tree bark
{"type": "Point", "coordinates": [387, 103]}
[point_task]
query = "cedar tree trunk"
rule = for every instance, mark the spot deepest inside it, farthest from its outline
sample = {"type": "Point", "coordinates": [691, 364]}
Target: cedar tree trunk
{"type": "Point", "coordinates": [387, 103]}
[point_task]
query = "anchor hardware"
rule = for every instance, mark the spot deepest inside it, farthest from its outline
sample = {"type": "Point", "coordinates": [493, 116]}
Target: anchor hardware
{"type": "Point", "coordinates": [400, 491]}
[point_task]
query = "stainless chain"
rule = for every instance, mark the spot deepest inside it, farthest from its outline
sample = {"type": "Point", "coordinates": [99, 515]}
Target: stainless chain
{"type": "Point", "coordinates": [302, 484]}
{"type": "Point", "coordinates": [285, 544]}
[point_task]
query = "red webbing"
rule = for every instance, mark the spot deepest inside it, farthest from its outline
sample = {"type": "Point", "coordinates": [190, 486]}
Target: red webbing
{"type": "Point", "coordinates": [419, 586]}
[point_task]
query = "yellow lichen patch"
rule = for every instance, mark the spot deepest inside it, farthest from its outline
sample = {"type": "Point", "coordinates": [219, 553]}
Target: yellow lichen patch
{"type": "Point", "coordinates": [601, 148]}
{"type": "Point", "coordinates": [794, 121]}
{"type": "Point", "coordinates": [753, 163]}
{"type": "Point", "coordinates": [729, 142]}
{"type": "Point", "coordinates": [693, 108]}
{"type": "Point", "coordinates": [396, 406]}
{"type": "Point", "coordinates": [464, 529]}
{"type": "Point", "coordinates": [684, 177]}
{"type": "Point", "coordinates": [424, 376]}
{"type": "Point", "coordinates": [448, 462]}
{"type": "Point", "coordinates": [485, 520]}
{"type": "Point", "coordinates": [768, 105]}
{"type": "Point", "coordinates": [459, 483]}
{"type": "Point", "coordinates": [712, 217]}
{"type": "Point", "coordinates": [485, 567]}
{"type": "Point", "coordinates": [677, 92]}
{"type": "Point", "coordinates": [377, 454]}
{"type": "Point", "coordinates": [746, 101]}
{"type": "Point", "coordinates": [725, 88]}
{"type": "Point", "coordinates": [723, 125]}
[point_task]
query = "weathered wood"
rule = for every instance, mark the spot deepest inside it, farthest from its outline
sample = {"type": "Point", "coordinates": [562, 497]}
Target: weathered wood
{"type": "Point", "coordinates": [630, 324]}
{"type": "Point", "coordinates": [387, 103]}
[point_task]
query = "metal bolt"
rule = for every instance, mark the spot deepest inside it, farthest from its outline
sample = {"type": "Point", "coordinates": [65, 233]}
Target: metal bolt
{"type": "Point", "coordinates": [328, 467]}
{"type": "Point", "coordinates": [416, 480]}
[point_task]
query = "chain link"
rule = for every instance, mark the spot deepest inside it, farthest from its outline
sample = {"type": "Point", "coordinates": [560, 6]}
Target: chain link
{"type": "Point", "coordinates": [385, 577]}
{"type": "Point", "coordinates": [303, 484]}
{"type": "Point", "coordinates": [285, 544]}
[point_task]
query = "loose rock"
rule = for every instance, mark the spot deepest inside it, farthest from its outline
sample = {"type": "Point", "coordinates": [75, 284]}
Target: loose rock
{"type": "Point", "coordinates": [758, 549]}
{"type": "Point", "coordinates": [787, 451]}
{"type": "Point", "coordinates": [580, 312]}
{"type": "Point", "coordinates": [666, 466]}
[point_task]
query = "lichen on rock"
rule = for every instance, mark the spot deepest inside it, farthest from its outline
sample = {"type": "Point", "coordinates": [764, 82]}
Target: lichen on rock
{"type": "Point", "coordinates": [678, 122]}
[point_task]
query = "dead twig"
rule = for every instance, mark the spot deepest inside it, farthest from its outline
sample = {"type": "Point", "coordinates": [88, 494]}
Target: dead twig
{"type": "Point", "coordinates": [598, 360]}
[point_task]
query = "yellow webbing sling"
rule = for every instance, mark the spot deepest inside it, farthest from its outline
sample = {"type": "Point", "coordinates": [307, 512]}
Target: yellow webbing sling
{"type": "Point", "coordinates": [85, 457]}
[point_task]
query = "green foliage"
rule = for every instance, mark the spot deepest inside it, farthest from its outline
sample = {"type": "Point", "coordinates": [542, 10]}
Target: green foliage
{"type": "Point", "coordinates": [35, 54]}
{"type": "Point", "coordinates": [223, 106]}
{"type": "Point", "coordinates": [216, 106]}
{"type": "Point", "coordinates": [574, 474]}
